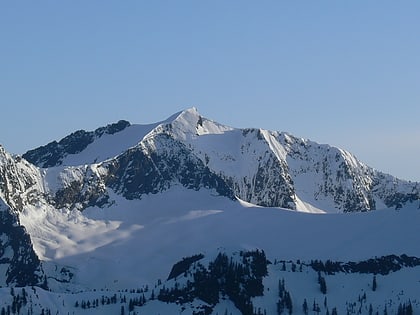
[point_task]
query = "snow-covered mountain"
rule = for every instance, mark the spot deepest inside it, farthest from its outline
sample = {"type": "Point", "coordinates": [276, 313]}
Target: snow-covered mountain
{"type": "Point", "coordinates": [115, 209]}
{"type": "Point", "coordinates": [262, 167]}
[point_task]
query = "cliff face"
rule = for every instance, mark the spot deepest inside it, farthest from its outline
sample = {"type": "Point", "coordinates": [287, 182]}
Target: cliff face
{"type": "Point", "coordinates": [18, 260]}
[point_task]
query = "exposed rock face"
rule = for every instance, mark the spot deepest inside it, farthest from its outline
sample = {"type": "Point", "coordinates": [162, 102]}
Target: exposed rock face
{"type": "Point", "coordinates": [16, 252]}
{"type": "Point", "coordinates": [20, 182]}
{"type": "Point", "coordinates": [157, 164]}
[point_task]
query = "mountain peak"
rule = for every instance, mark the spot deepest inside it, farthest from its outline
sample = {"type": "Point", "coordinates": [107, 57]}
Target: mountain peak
{"type": "Point", "coordinates": [189, 123]}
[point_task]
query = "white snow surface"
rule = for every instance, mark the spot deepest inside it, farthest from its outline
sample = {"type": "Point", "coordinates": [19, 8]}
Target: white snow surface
{"type": "Point", "coordinates": [138, 241]}
{"type": "Point", "coordinates": [109, 145]}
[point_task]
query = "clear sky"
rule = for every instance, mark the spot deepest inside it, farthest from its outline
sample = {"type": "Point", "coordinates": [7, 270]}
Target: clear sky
{"type": "Point", "coordinates": [346, 73]}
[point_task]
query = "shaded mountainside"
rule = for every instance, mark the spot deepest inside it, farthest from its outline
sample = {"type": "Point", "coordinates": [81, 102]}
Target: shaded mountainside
{"type": "Point", "coordinates": [18, 260]}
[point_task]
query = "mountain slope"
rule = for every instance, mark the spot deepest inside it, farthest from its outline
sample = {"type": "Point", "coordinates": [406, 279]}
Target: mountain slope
{"type": "Point", "coordinates": [109, 213]}
{"type": "Point", "coordinates": [262, 167]}
{"type": "Point", "coordinates": [19, 265]}
{"type": "Point", "coordinates": [21, 183]}
{"type": "Point", "coordinates": [133, 244]}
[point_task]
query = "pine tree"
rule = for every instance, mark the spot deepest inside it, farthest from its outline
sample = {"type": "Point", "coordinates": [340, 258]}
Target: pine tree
{"type": "Point", "coordinates": [305, 307]}
{"type": "Point", "coordinates": [322, 283]}
{"type": "Point", "coordinates": [409, 309]}
{"type": "Point", "coordinates": [374, 285]}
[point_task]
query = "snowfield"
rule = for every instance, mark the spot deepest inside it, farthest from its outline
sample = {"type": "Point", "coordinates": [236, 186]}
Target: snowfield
{"type": "Point", "coordinates": [138, 241]}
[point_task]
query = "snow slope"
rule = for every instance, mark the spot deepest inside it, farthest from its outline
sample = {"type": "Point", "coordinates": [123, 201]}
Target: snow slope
{"type": "Point", "coordinates": [108, 245]}
{"type": "Point", "coordinates": [134, 243]}
{"type": "Point", "coordinates": [109, 146]}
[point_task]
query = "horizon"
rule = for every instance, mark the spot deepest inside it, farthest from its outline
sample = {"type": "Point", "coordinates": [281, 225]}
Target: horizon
{"type": "Point", "coordinates": [342, 74]}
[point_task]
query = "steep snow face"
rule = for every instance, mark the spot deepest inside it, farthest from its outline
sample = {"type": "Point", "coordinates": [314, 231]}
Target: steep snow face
{"type": "Point", "coordinates": [335, 180]}
{"type": "Point", "coordinates": [109, 145]}
{"type": "Point", "coordinates": [188, 125]}
{"type": "Point", "coordinates": [328, 177]}
{"type": "Point", "coordinates": [19, 265]}
{"type": "Point", "coordinates": [20, 182]}
{"type": "Point", "coordinates": [84, 147]}
{"type": "Point", "coordinates": [244, 159]}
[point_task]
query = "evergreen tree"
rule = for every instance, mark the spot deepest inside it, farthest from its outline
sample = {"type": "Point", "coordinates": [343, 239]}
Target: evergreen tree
{"type": "Point", "coordinates": [305, 307]}
{"type": "Point", "coordinates": [374, 284]}
{"type": "Point", "coordinates": [322, 283]}
{"type": "Point", "coordinates": [409, 309]}
{"type": "Point", "coordinates": [288, 302]}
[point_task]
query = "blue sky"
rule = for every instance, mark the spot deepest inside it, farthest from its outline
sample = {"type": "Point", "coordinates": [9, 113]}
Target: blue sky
{"type": "Point", "coordinates": [339, 72]}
